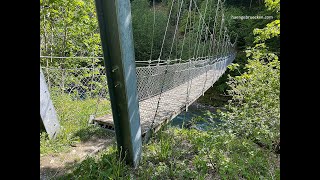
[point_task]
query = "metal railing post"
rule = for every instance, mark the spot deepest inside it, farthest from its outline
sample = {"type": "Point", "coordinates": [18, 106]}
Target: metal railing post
{"type": "Point", "coordinates": [48, 116]}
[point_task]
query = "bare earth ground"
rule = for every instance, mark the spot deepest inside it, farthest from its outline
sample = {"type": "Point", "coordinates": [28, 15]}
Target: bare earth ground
{"type": "Point", "coordinates": [55, 165]}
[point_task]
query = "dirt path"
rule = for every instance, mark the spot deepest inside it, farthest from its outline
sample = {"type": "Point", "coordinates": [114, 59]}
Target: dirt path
{"type": "Point", "coordinates": [55, 165]}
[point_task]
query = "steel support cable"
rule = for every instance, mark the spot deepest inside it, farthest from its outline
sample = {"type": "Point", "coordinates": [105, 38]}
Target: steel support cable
{"type": "Point", "coordinates": [223, 50]}
{"type": "Point", "coordinates": [225, 45]}
{"type": "Point", "coordinates": [198, 31]}
{"type": "Point", "coordinates": [211, 36]}
{"type": "Point", "coordinates": [192, 34]}
{"type": "Point", "coordinates": [214, 29]}
{"type": "Point", "coordinates": [210, 49]}
{"type": "Point", "coordinates": [150, 59]}
{"type": "Point", "coordinates": [193, 28]}
{"type": "Point", "coordinates": [175, 31]}
{"type": "Point", "coordinates": [201, 17]}
{"type": "Point", "coordinates": [184, 36]}
{"type": "Point", "coordinates": [223, 42]}
{"type": "Point", "coordinates": [207, 51]}
{"type": "Point", "coordinates": [186, 27]}
{"type": "Point", "coordinates": [190, 61]}
{"type": "Point", "coordinates": [203, 23]}
{"type": "Point", "coordinates": [185, 31]}
{"type": "Point", "coordinates": [220, 31]}
{"type": "Point", "coordinates": [206, 67]}
{"type": "Point", "coordinates": [166, 70]}
{"type": "Point", "coordinates": [228, 46]}
{"type": "Point", "coordinates": [190, 64]}
{"type": "Point", "coordinates": [215, 41]}
{"type": "Point", "coordinates": [165, 33]}
{"type": "Point", "coordinates": [205, 42]}
{"type": "Point", "coordinates": [177, 42]}
{"type": "Point", "coordinates": [207, 60]}
{"type": "Point", "coordinates": [220, 34]}
{"type": "Point", "coordinates": [189, 85]}
{"type": "Point", "coordinates": [154, 19]}
{"type": "Point", "coordinates": [195, 46]}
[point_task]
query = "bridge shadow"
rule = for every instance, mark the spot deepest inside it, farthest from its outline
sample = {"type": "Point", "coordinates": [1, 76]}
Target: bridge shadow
{"type": "Point", "coordinates": [86, 134]}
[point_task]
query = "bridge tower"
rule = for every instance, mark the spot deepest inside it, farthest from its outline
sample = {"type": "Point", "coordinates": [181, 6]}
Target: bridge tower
{"type": "Point", "coordinates": [114, 17]}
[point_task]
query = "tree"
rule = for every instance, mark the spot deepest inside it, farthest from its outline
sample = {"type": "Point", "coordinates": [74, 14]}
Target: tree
{"type": "Point", "coordinates": [69, 28]}
{"type": "Point", "coordinates": [254, 110]}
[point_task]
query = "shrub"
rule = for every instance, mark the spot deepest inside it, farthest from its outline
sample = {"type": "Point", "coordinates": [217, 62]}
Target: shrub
{"type": "Point", "coordinates": [254, 110]}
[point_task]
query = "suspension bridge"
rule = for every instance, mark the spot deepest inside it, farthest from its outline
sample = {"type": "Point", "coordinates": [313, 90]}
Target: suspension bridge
{"type": "Point", "coordinates": [147, 94]}
{"type": "Point", "coordinates": [181, 84]}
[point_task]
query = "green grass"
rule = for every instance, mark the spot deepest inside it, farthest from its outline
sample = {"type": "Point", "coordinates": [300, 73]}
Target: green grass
{"type": "Point", "coordinates": [73, 117]}
{"type": "Point", "coordinates": [172, 153]}
{"type": "Point", "coordinates": [185, 154]}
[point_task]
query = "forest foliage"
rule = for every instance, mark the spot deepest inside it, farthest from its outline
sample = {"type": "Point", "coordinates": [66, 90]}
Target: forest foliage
{"type": "Point", "coordinates": [254, 110]}
{"type": "Point", "coordinates": [70, 28]}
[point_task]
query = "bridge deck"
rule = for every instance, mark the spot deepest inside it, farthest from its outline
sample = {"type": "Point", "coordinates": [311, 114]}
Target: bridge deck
{"type": "Point", "coordinates": [172, 102]}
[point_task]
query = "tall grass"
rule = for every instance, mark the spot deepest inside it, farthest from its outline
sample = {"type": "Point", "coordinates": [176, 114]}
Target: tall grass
{"type": "Point", "coordinates": [73, 117]}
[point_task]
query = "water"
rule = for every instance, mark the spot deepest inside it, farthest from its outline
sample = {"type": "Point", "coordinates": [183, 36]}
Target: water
{"type": "Point", "coordinates": [196, 110]}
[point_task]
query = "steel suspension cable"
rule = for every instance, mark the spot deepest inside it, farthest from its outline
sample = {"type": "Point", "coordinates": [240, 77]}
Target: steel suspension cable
{"type": "Point", "coordinates": [154, 20]}
{"type": "Point", "coordinates": [165, 33]}
{"type": "Point", "coordinates": [205, 13]}
{"type": "Point", "coordinates": [166, 70]}
{"type": "Point", "coordinates": [185, 31]}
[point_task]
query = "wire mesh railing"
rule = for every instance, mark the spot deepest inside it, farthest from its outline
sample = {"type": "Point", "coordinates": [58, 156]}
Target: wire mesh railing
{"type": "Point", "coordinates": [178, 84]}
{"type": "Point", "coordinates": [165, 93]}
{"type": "Point", "coordinates": [91, 82]}
{"type": "Point", "coordinates": [78, 82]}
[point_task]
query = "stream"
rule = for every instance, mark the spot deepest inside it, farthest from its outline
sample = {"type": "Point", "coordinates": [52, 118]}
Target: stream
{"type": "Point", "coordinates": [196, 110]}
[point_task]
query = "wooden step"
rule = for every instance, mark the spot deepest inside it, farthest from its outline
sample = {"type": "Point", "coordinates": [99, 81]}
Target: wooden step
{"type": "Point", "coordinates": [105, 121]}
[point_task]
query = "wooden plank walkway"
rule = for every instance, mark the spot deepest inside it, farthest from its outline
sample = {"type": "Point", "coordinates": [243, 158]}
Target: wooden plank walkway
{"type": "Point", "coordinates": [172, 102]}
